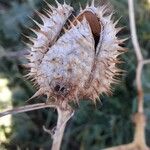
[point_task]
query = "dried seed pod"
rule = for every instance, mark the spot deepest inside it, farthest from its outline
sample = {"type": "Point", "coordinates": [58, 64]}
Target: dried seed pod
{"type": "Point", "coordinates": [80, 62]}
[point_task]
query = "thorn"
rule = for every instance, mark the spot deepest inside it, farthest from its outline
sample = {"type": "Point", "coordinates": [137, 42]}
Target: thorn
{"type": "Point", "coordinates": [95, 90]}
{"type": "Point", "coordinates": [65, 2]}
{"type": "Point", "coordinates": [28, 57]}
{"type": "Point", "coordinates": [120, 41]}
{"type": "Point", "coordinates": [87, 5]}
{"type": "Point", "coordinates": [58, 4]}
{"type": "Point", "coordinates": [76, 20]}
{"type": "Point", "coordinates": [28, 76]}
{"type": "Point", "coordinates": [114, 81]}
{"type": "Point", "coordinates": [25, 66]}
{"type": "Point", "coordinates": [37, 94]}
{"type": "Point", "coordinates": [38, 24]}
{"type": "Point", "coordinates": [36, 85]}
{"type": "Point", "coordinates": [65, 30]}
{"type": "Point", "coordinates": [104, 9]}
{"type": "Point", "coordinates": [94, 101]}
{"type": "Point", "coordinates": [38, 13]}
{"type": "Point", "coordinates": [121, 71]}
{"type": "Point", "coordinates": [81, 9]}
{"type": "Point", "coordinates": [119, 29]}
{"type": "Point", "coordinates": [116, 22]}
{"type": "Point", "coordinates": [107, 90]}
{"type": "Point", "coordinates": [24, 35]}
{"type": "Point", "coordinates": [76, 98]}
{"type": "Point", "coordinates": [38, 32]}
{"type": "Point", "coordinates": [110, 16]}
{"type": "Point", "coordinates": [98, 98]}
{"type": "Point", "coordinates": [33, 80]}
{"type": "Point", "coordinates": [71, 24]}
{"type": "Point", "coordinates": [122, 49]}
{"type": "Point", "coordinates": [50, 6]}
{"type": "Point", "coordinates": [93, 3]}
{"type": "Point", "coordinates": [47, 12]}
{"type": "Point", "coordinates": [31, 66]}
{"type": "Point", "coordinates": [84, 20]}
{"type": "Point", "coordinates": [120, 53]}
{"type": "Point", "coordinates": [92, 98]}
{"type": "Point", "coordinates": [42, 16]}
{"type": "Point", "coordinates": [33, 30]}
{"type": "Point", "coordinates": [117, 61]}
{"type": "Point", "coordinates": [32, 39]}
{"type": "Point", "coordinates": [27, 44]}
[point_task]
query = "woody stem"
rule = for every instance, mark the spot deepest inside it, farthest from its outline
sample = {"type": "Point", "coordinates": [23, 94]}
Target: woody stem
{"type": "Point", "coordinates": [63, 116]}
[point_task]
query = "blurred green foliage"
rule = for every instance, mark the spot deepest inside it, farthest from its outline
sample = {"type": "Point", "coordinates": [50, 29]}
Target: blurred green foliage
{"type": "Point", "coordinates": [92, 127]}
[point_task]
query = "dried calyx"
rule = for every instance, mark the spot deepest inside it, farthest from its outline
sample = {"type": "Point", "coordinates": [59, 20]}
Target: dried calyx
{"type": "Point", "coordinates": [80, 62]}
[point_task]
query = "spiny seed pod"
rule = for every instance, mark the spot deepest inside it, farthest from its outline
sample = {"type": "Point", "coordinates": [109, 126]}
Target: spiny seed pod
{"type": "Point", "coordinates": [79, 61]}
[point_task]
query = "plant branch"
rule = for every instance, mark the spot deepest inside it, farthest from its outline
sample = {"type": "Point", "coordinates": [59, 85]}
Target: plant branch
{"type": "Point", "coordinates": [26, 108]}
{"type": "Point", "coordinates": [147, 61]}
{"type": "Point", "coordinates": [63, 117]}
{"type": "Point", "coordinates": [133, 31]}
{"type": "Point", "coordinates": [138, 55]}
{"type": "Point", "coordinates": [139, 87]}
{"type": "Point", "coordinates": [139, 141]}
{"type": "Point", "coordinates": [65, 112]}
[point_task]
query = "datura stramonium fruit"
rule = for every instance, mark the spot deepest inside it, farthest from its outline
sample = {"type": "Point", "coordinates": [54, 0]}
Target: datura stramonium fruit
{"type": "Point", "coordinates": [69, 63]}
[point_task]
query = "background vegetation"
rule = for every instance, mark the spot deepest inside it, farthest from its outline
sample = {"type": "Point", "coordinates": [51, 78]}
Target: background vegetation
{"type": "Point", "coordinates": [92, 127]}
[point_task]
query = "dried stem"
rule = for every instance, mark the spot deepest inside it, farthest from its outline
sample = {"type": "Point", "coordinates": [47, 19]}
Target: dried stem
{"type": "Point", "coordinates": [146, 61]}
{"type": "Point", "coordinates": [139, 141]}
{"type": "Point", "coordinates": [63, 117]}
{"type": "Point", "coordinates": [139, 87]}
{"type": "Point", "coordinates": [64, 114]}
{"type": "Point", "coordinates": [139, 117]}
{"type": "Point", "coordinates": [138, 55]}
{"type": "Point", "coordinates": [133, 31]}
{"type": "Point", "coordinates": [26, 109]}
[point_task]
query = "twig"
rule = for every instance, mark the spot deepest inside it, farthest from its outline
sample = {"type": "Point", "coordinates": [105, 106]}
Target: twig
{"type": "Point", "coordinates": [63, 117]}
{"type": "Point", "coordinates": [26, 109]}
{"type": "Point", "coordinates": [130, 146]}
{"type": "Point", "coordinates": [133, 31]}
{"type": "Point", "coordinates": [139, 87]}
{"type": "Point", "coordinates": [139, 141]}
{"type": "Point", "coordinates": [146, 61]}
{"type": "Point", "coordinates": [65, 112]}
{"type": "Point", "coordinates": [138, 55]}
